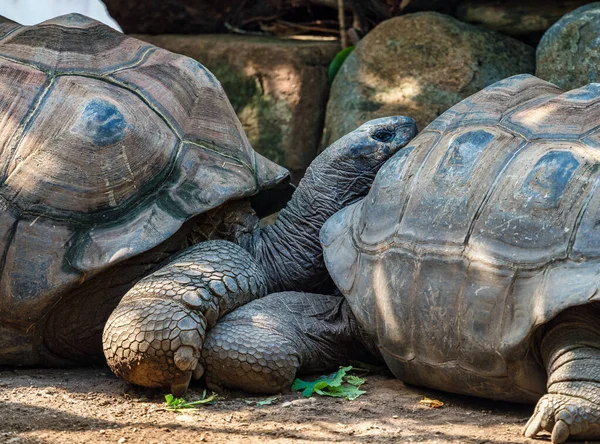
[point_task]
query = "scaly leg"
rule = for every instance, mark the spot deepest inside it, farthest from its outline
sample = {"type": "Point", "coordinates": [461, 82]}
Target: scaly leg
{"type": "Point", "coordinates": [570, 350]}
{"type": "Point", "coordinates": [261, 346]}
{"type": "Point", "coordinates": [163, 319]}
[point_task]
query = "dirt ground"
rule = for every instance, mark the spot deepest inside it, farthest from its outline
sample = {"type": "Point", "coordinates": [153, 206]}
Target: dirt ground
{"type": "Point", "coordinates": [90, 405]}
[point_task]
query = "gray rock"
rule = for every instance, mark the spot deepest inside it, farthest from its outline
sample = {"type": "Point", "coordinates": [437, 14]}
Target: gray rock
{"type": "Point", "coordinates": [419, 65]}
{"type": "Point", "coordinates": [569, 53]}
{"type": "Point", "coordinates": [277, 87]}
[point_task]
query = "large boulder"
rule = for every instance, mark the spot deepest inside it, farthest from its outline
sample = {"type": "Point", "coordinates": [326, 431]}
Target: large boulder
{"type": "Point", "coordinates": [277, 87]}
{"type": "Point", "coordinates": [419, 65]}
{"type": "Point", "coordinates": [569, 53]}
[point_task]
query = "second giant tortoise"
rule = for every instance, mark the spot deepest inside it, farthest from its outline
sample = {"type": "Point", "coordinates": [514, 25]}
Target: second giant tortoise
{"type": "Point", "coordinates": [472, 266]}
{"type": "Point", "coordinates": [115, 156]}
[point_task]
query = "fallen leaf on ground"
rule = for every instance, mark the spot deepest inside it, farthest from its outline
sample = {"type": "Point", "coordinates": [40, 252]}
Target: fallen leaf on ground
{"type": "Point", "coordinates": [337, 385]}
{"type": "Point", "coordinates": [433, 403]}
{"type": "Point", "coordinates": [266, 401]}
{"type": "Point", "coordinates": [177, 404]}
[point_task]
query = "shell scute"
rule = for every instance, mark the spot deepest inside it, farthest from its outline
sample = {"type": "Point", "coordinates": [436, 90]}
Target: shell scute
{"type": "Point", "coordinates": [454, 183]}
{"type": "Point", "coordinates": [20, 89]}
{"type": "Point", "coordinates": [481, 318]}
{"type": "Point", "coordinates": [192, 100]}
{"type": "Point", "coordinates": [499, 97]}
{"type": "Point", "coordinates": [102, 122]}
{"type": "Point", "coordinates": [204, 179]}
{"type": "Point", "coordinates": [72, 43]}
{"type": "Point", "coordinates": [97, 154]}
{"type": "Point", "coordinates": [384, 207]}
{"type": "Point", "coordinates": [35, 271]}
{"type": "Point", "coordinates": [532, 215]}
{"type": "Point", "coordinates": [568, 116]}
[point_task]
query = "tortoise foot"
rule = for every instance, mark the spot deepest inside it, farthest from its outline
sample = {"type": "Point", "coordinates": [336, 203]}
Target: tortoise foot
{"type": "Point", "coordinates": [155, 335]}
{"type": "Point", "coordinates": [564, 417]}
{"type": "Point", "coordinates": [154, 343]}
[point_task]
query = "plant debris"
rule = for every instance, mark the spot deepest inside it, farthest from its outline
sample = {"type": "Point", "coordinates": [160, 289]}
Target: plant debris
{"type": "Point", "coordinates": [179, 404]}
{"type": "Point", "coordinates": [433, 403]}
{"type": "Point", "coordinates": [262, 402]}
{"type": "Point", "coordinates": [338, 385]}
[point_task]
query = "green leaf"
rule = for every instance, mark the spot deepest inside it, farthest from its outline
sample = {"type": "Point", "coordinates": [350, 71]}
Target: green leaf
{"type": "Point", "coordinates": [355, 380]}
{"type": "Point", "coordinates": [339, 376]}
{"type": "Point", "coordinates": [349, 392]}
{"type": "Point", "coordinates": [176, 404]}
{"type": "Point", "coordinates": [337, 62]}
{"type": "Point", "coordinates": [267, 401]}
{"type": "Point", "coordinates": [332, 380]}
{"type": "Point", "coordinates": [337, 385]}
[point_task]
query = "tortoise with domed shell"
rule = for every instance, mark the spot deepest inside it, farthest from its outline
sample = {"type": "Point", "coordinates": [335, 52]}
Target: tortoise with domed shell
{"type": "Point", "coordinates": [116, 156]}
{"type": "Point", "coordinates": [472, 266]}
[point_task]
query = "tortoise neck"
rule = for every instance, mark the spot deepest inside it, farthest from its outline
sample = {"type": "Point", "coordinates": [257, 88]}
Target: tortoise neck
{"type": "Point", "coordinates": [289, 249]}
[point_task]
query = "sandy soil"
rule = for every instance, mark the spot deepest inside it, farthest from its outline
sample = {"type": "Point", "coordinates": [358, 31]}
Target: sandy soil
{"type": "Point", "coordinates": [90, 405]}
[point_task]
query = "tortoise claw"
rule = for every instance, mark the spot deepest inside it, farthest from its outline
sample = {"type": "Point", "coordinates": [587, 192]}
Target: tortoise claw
{"type": "Point", "coordinates": [198, 371]}
{"type": "Point", "coordinates": [533, 426]}
{"type": "Point", "coordinates": [564, 417]}
{"type": "Point", "coordinates": [560, 432]}
{"type": "Point", "coordinates": [180, 384]}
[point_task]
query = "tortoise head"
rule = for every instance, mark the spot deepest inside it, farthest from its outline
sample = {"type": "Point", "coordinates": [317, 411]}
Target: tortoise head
{"type": "Point", "coordinates": [347, 168]}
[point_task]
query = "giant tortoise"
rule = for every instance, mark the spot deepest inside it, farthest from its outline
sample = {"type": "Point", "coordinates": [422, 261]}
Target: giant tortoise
{"type": "Point", "coordinates": [472, 266]}
{"type": "Point", "coordinates": [116, 156]}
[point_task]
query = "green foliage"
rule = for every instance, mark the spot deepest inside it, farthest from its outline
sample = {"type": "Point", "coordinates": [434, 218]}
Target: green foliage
{"type": "Point", "coordinates": [266, 401]}
{"type": "Point", "coordinates": [337, 62]}
{"type": "Point", "coordinates": [355, 380]}
{"type": "Point", "coordinates": [177, 404]}
{"type": "Point", "coordinates": [337, 385]}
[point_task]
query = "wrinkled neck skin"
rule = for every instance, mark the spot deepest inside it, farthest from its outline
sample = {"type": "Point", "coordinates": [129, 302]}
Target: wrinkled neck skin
{"type": "Point", "coordinates": [290, 250]}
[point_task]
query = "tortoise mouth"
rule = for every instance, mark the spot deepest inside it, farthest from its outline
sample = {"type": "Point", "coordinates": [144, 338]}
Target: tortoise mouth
{"type": "Point", "coordinates": [270, 201]}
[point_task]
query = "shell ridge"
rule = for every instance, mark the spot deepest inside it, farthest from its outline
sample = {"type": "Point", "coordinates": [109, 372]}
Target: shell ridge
{"type": "Point", "coordinates": [142, 54]}
{"type": "Point", "coordinates": [418, 248]}
{"type": "Point", "coordinates": [580, 214]}
{"type": "Point", "coordinates": [23, 63]}
{"type": "Point", "coordinates": [17, 137]}
{"type": "Point", "coordinates": [415, 177]}
{"type": "Point", "coordinates": [138, 60]}
{"type": "Point", "coordinates": [228, 156]}
{"type": "Point", "coordinates": [11, 32]}
{"type": "Point", "coordinates": [254, 169]}
{"type": "Point", "coordinates": [491, 189]}
{"type": "Point", "coordinates": [7, 245]}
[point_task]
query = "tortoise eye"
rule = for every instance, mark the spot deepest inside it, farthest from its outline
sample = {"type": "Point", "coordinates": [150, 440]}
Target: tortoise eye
{"type": "Point", "coordinates": [383, 135]}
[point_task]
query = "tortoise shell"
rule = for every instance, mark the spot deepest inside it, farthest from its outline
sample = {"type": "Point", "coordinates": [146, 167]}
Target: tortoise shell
{"type": "Point", "coordinates": [478, 232]}
{"type": "Point", "coordinates": [108, 144]}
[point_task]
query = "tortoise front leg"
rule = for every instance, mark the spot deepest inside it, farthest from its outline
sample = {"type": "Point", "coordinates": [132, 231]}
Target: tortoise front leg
{"type": "Point", "coordinates": [570, 350]}
{"type": "Point", "coordinates": [154, 336]}
{"type": "Point", "coordinates": [260, 347]}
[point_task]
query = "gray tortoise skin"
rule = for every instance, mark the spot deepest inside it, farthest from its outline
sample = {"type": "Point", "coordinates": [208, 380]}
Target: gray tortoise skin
{"type": "Point", "coordinates": [128, 190]}
{"type": "Point", "coordinates": [471, 266]}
